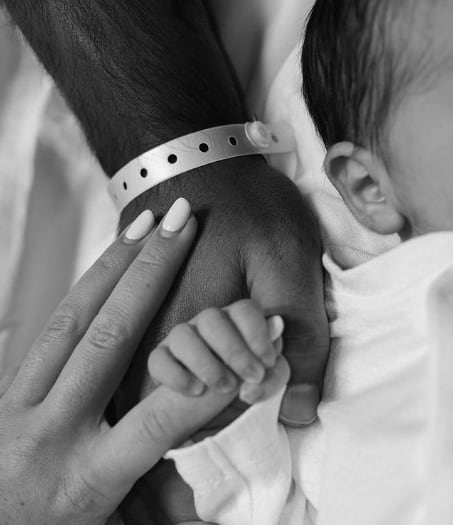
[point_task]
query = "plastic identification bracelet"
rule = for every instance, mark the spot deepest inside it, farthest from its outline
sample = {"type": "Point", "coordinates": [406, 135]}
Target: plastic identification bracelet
{"type": "Point", "coordinates": [198, 149]}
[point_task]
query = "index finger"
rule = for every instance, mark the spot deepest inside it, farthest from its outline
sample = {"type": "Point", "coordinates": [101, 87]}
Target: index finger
{"type": "Point", "coordinates": [102, 356]}
{"type": "Point", "coordinates": [71, 319]}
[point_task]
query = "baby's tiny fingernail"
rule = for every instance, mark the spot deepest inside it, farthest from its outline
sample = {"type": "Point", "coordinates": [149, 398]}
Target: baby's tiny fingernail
{"type": "Point", "coordinates": [226, 384]}
{"type": "Point", "coordinates": [139, 228]}
{"type": "Point", "coordinates": [299, 405]}
{"type": "Point", "coordinates": [196, 387]}
{"type": "Point", "coordinates": [176, 218]}
{"type": "Point", "coordinates": [275, 326]}
{"type": "Point", "coordinates": [254, 373]}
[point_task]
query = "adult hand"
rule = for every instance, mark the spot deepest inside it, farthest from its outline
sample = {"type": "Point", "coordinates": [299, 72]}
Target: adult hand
{"type": "Point", "coordinates": [60, 462]}
{"type": "Point", "coordinates": [163, 75]}
{"type": "Point", "coordinates": [257, 239]}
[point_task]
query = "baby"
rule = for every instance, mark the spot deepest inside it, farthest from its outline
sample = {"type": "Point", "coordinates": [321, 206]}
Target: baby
{"type": "Point", "coordinates": [378, 81]}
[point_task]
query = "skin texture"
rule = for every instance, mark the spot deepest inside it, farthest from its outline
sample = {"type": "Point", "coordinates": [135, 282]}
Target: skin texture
{"type": "Point", "coordinates": [219, 348]}
{"type": "Point", "coordinates": [60, 461]}
{"type": "Point", "coordinates": [152, 71]}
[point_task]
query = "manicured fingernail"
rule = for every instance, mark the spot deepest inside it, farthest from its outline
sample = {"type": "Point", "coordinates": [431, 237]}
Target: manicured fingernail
{"type": "Point", "coordinates": [140, 227]}
{"type": "Point", "coordinates": [299, 405]}
{"type": "Point", "coordinates": [226, 384]}
{"type": "Point", "coordinates": [176, 217]}
{"type": "Point", "coordinates": [275, 326]}
{"type": "Point", "coordinates": [254, 374]}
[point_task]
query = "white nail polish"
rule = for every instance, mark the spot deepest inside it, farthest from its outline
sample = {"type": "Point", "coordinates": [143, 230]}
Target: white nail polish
{"type": "Point", "coordinates": [140, 227]}
{"type": "Point", "coordinates": [177, 216]}
{"type": "Point", "coordinates": [275, 326]}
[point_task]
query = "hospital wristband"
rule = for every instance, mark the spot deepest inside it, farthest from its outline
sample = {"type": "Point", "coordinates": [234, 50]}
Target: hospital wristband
{"type": "Point", "coordinates": [195, 150]}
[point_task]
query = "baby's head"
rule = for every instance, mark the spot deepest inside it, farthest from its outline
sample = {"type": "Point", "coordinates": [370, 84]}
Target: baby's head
{"type": "Point", "coordinates": [378, 81]}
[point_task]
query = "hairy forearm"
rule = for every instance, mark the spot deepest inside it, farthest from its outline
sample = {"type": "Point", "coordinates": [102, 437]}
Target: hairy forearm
{"type": "Point", "coordinates": [136, 72]}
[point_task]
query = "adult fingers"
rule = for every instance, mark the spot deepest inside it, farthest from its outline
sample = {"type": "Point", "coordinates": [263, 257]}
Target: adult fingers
{"type": "Point", "coordinates": [103, 354]}
{"type": "Point", "coordinates": [291, 285]}
{"type": "Point", "coordinates": [70, 321]}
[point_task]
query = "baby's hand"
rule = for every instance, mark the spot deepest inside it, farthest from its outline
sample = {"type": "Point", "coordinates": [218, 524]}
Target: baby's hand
{"type": "Point", "coordinates": [224, 349]}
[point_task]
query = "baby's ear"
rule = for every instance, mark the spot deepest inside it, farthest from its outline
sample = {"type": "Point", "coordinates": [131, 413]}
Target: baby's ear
{"type": "Point", "coordinates": [364, 184]}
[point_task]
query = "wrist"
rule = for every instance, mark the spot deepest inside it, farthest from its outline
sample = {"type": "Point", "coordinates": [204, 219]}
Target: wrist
{"type": "Point", "coordinates": [203, 187]}
{"type": "Point", "coordinates": [136, 74]}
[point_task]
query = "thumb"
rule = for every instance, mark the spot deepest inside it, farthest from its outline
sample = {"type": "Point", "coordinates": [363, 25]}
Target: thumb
{"type": "Point", "coordinates": [291, 284]}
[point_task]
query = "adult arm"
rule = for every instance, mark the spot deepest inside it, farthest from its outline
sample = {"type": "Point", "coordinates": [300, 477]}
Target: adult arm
{"type": "Point", "coordinates": [140, 72]}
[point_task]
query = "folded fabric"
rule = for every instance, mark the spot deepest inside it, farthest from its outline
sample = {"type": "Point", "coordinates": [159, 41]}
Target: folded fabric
{"type": "Point", "coordinates": [379, 453]}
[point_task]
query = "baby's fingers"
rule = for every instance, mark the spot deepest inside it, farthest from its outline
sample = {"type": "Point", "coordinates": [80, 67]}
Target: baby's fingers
{"type": "Point", "coordinates": [276, 378]}
{"type": "Point", "coordinates": [187, 348]}
{"type": "Point", "coordinates": [166, 370]}
{"type": "Point", "coordinates": [257, 332]}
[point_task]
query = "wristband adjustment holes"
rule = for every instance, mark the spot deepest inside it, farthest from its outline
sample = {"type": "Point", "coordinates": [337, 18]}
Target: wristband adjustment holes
{"type": "Point", "coordinates": [203, 147]}
{"type": "Point", "coordinates": [233, 141]}
{"type": "Point", "coordinates": [144, 173]}
{"type": "Point", "coordinates": [172, 159]}
{"type": "Point", "coordinates": [125, 186]}
{"type": "Point", "coordinates": [275, 138]}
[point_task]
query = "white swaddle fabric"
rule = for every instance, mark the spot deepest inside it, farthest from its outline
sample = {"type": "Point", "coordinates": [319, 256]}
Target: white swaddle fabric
{"type": "Point", "coordinates": [379, 453]}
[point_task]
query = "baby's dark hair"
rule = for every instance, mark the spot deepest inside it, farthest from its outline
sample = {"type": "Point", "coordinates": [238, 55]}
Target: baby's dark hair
{"type": "Point", "coordinates": [359, 58]}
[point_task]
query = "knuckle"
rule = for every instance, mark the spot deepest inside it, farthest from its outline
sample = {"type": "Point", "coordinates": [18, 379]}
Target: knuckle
{"type": "Point", "coordinates": [156, 425]}
{"type": "Point", "coordinates": [211, 318]}
{"type": "Point", "coordinates": [109, 263]}
{"type": "Point", "coordinates": [65, 322]}
{"type": "Point", "coordinates": [246, 307]}
{"type": "Point", "coordinates": [209, 373]}
{"type": "Point", "coordinates": [82, 494]}
{"type": "Point", "coordinates": [152, 258]}
{"type": "Point", "coordinates": [180, 332]}
{"type": "Point", "coordinates": [238, 358]}
{"type": "Point", "coordinates": [181, 381]}
{"type": "Point", "coordinates": [106, 332]}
